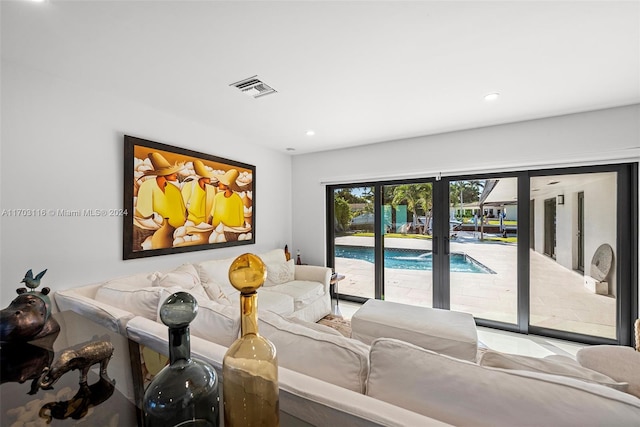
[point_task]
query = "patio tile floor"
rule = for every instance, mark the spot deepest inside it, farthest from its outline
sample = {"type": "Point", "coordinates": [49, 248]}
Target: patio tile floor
{"type": "Point", "coordinates": [558, 297]}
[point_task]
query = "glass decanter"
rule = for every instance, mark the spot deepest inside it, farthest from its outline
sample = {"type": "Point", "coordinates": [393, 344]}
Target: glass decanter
{"type": "Point", "coordinates": [185, 392]}
{"type": "Point", "coordinates": [250, 366]}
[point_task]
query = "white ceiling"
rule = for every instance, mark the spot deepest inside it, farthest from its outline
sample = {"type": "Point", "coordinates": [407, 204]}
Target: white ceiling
{"type": "Point", "coordinates": [355, 72]}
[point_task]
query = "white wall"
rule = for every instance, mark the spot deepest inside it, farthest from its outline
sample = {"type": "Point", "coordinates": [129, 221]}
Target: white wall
{"type": "Point", "coordinates": [599, 137]}
{"type": "Point", "coordinates": [62, 148]}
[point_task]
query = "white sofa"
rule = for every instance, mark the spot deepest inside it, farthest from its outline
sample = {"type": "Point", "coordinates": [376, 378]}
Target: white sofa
{"type": "Point", "coordinates": [328, 379]}
{"type": "Point", "coordinates": [300, 291]}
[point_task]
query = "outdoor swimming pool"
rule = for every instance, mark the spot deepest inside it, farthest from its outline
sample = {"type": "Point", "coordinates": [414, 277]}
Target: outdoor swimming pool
{"type": "Point", "coordinates": [412, 259]}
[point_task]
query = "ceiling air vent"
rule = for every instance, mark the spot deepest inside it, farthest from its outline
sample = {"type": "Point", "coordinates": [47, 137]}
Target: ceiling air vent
{"type": "Point", "coordinates": [254, 87]}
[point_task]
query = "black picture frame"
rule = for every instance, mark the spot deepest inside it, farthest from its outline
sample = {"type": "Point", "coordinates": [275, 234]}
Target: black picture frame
{"type": "Point", "coordinates": [152, 221]}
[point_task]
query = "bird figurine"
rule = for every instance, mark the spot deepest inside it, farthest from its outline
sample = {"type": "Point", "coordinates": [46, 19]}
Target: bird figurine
{"type": "Point", "coordinates": [33, 282]}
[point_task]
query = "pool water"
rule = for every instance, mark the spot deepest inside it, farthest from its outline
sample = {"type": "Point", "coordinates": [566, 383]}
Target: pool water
{"type": "Point", "coordinates": [413, 259]}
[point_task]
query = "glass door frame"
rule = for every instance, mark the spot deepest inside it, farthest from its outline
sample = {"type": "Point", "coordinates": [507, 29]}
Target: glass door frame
{"type": "Point", "coordinates": [626, 249]}
{"type": "Point", "coordinates": [443, 285]}
{"type": "Point", "coordinates": [378, 253]}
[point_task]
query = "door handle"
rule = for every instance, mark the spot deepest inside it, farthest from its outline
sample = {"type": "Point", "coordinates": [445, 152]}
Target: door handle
{"type": "Point", "coordinates": [434, 246]}
{"type": "Point", "coordinates": [446, 245]}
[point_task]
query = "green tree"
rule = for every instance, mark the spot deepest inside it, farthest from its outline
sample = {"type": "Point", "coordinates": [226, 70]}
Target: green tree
{"type": "Point", "coordinates": [342, 213]}
{"type": "Point", "coordinates": [347, 194]}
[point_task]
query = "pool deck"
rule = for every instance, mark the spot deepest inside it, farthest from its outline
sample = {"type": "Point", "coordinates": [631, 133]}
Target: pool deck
{"type": "Point", "coordinates": [559, 299]}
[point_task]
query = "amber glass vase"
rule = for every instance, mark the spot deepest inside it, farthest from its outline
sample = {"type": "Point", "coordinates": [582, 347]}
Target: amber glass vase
{"type": "Point", "coordinates": [184, 393]}
{"type": "Point", "coordinates": [250, 366]}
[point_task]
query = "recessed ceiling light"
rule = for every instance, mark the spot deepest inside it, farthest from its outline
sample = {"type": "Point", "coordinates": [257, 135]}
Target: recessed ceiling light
{"type": "Point", "coordinates": [290, 149]}
{"type": "Point", "coordinates": [492, 96]}
{"type": "Point", "coordinates": [311, 133]}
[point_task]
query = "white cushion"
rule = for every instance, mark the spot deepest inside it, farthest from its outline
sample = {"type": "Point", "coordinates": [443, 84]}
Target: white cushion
{"type": "Point", "coordinates": [459, 392]}
{"type": "Point", "coordinates": [448, 332]}
{"type": "Point", "coordinates": [268, 301]}
{"type": "Point", "coordinates": [302, 292]}
{"type": "Point", "coordinates": [139, 301]}
{"type": "Point", "coordinates": [186, 277]}
{"type": "Point", "coordinates": [281, 272]}
{"type": "Point", "coordinates": [618, 362]}
{"type": "Point", "coordinates": [331, 358]}
{"type": "Point", "coordinates": [553, 366]}
{"type": "Point", "coordinates": [216, 322]}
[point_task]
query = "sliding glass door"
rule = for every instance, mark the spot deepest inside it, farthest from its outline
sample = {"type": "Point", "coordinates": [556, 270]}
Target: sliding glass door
{"type": "Point", "coordinates": [483, 258]}
{"type": "Point", "coordinates": [550, 252]}
{"type": "Point", "coordinates": [353, 238]}
{"type": "Point", "coordinates": [408, 257]}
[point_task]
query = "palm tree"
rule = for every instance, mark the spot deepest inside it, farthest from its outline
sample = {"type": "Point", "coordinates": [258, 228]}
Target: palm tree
{"type": "Point", "coordinates": [426, 202]}
{"type": "Point", "coordinates": [414, 196]}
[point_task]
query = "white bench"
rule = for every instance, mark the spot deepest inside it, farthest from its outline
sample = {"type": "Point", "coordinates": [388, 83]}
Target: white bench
{"type": "Point", "coordinates": [447, 332]}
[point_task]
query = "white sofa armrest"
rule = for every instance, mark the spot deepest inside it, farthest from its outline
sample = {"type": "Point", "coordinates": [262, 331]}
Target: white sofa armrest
{"type": "Point", "coordinates": [314, 273]}
{"type": "Point", "coordinates": [110, 317]}
{"type": "Point", "coordinates": [320, 403]}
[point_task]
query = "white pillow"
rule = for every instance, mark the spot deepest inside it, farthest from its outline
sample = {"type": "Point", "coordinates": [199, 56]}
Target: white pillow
{"type": "Point", "coordinates": [214, 291]}
{"type": "Point", "coordinates": [555, 366]}
{"type": "Point", "coordinates": [619, 362]}
{"type": "Point", "coordinates": [279, 273]}
{"type": "Point", "coordinates": [274, 256]}
{"type": "Point", "coordinates": [185, 277]}
{"type": "Point", "coordinates": [217, 271]}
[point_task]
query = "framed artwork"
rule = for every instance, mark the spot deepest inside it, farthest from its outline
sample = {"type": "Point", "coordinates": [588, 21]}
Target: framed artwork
{"type": "Point", "coordinates": [178, 200]}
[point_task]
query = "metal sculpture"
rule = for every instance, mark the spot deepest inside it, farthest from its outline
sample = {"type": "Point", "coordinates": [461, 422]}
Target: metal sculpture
{"type": "Point", "coordinates": [80, 359]}
{"type": "Point", "coordinates": [28, 317]}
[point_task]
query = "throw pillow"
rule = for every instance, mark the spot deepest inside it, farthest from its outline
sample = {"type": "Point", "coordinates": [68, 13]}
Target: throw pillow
{"type": "Point", "coordinates": [315, 326]}
{"type": "Point", "coordinates": [616, 361]}
{"type": "Point", "coordinates": [274, 256]}
{"type": "Point", "coordinates": [278, 273]}
{"type": "Point", "coordinates": [185, 277]}
{"type": "Point", "coordinates": [555, 366]}
{"type": "Point", "coordinates": [215, 293]}
{"type": "Point", "coordinates": [217, 271]}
